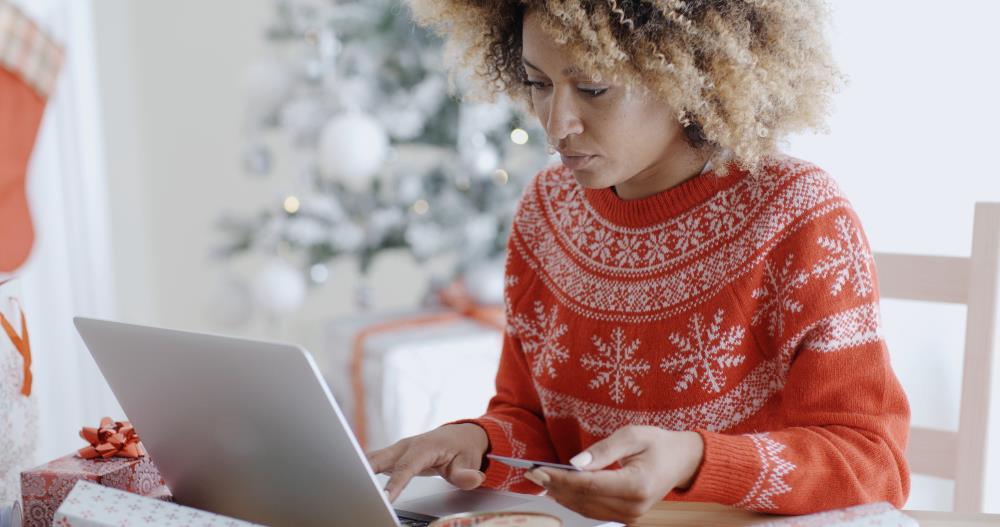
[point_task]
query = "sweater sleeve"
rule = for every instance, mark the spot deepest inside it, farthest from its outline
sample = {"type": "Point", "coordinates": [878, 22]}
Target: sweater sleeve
{"type": "Point", "coordinates": [843, 418]}
{"type": "Point", "coordinates": [513, 422]}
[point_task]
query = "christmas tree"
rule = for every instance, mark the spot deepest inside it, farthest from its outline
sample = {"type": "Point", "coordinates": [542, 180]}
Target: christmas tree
{"type": "Point", "coordinates": [388, 157]}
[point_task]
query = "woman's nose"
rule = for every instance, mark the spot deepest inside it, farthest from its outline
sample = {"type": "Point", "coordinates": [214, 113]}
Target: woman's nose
{"type": "Point", "coordinates": [563, 119]}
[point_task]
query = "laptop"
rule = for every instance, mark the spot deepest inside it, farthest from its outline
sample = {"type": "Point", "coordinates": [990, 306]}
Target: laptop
{"type": "Point", "coordinates": [249, 429]}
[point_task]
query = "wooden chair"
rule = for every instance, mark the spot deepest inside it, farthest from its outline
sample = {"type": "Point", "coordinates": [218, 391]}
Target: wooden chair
{"type": "Point", "coordinates": [973, 281]}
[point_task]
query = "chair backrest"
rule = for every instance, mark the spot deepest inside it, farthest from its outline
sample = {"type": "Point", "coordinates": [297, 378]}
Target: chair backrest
{"type": "Point", "coordinates": [973, 281]}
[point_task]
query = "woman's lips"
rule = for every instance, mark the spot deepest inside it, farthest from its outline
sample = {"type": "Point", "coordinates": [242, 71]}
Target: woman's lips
{"type": "Point", "coordinates": [575, 162]}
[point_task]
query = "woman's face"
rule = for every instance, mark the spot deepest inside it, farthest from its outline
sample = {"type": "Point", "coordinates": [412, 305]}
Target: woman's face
{"type": "Point", "coordinates": [606, 135]}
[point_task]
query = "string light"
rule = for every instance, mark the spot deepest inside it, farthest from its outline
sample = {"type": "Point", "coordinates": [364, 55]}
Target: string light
{"type": "Point", "coordinates": [291, 204]}
{"type": "Point", "coordinates": [501, 177]}
{"type": "Point", "coordinates": [421, 206]}
{"type": "Point", "coordinates": [518, 136]}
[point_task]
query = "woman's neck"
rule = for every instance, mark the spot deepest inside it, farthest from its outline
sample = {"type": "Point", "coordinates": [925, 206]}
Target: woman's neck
{"type": "Point", "coordinates": [673, 171]}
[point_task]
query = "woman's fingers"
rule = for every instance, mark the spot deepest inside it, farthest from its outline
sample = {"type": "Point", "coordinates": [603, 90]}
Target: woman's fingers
{"type": "Point", "coordinates": [445, 451]}
{"type": "Point", "coordinates": [604, 495]}
{"type": "Point", "coordinates": [623, 443]}
{"type": "Point", "coordinates": [465, 478]}
{"type": "Point", "coordinates": [463, 471]}
{"type": "Point", "coordinates": [408, 465]}
{"type": "Point", "coordinates": [383, 460]}
{"type": "Point", "coordinates": [624, 483]}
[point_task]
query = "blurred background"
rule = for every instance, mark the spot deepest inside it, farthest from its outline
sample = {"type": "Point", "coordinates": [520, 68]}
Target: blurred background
{"type": "Point", "coordinates": [295, 170]}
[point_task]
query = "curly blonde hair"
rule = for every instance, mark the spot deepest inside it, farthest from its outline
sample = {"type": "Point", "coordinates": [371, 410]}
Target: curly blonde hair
{"type": "Point", "coordinates": [743, 74]}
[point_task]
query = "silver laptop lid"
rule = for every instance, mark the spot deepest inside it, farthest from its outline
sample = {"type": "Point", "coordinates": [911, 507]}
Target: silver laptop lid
{"type": "Point", "coordinates": [239, 427]}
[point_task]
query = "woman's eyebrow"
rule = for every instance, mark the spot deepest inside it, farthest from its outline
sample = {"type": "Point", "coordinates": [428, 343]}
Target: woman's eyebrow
{"type": "Point", "coordinates": [568, 72]}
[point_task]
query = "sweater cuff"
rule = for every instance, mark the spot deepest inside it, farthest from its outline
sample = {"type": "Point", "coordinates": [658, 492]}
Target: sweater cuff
{"type": "Point", "coordinates": [496, 473]}
{"type": "Point", "coordinates": [729, 468]}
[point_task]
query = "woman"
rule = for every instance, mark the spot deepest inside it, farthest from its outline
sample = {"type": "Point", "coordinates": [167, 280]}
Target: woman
{"type": "Point", "coordinates": [691, 314]}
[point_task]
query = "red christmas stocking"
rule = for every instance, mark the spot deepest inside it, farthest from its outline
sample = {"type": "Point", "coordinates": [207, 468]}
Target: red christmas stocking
{"type": "Point", "coordinates": [29, 63]}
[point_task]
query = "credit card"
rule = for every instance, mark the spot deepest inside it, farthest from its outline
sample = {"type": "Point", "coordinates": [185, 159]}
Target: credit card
{"type": "Point", "coordinates": [529, 464]}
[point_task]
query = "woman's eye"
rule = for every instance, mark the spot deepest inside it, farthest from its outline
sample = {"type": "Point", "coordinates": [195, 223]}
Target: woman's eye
{"type": "Point", "coordinates": [593, 92]}
{"type": "Point", "coordinates": [590, 92]}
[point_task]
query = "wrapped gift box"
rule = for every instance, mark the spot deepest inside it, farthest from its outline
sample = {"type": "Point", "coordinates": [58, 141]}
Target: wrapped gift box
{"type": "Point", "coordinates": [44, 488]}
{"type": "Point", "coordinates": [90, 505]}
{"type": "Point", "coordinates": [416, 377]}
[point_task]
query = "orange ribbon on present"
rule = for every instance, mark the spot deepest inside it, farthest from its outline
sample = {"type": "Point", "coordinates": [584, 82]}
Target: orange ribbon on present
{"type": "Point", "coordinates": [112, 438]}
{"type": "Point", "coordinates": [454, 296]}
{"type": "Point", "coordinates": [457, 297]}
{"type": "Point", "coordinates": [21, 343]}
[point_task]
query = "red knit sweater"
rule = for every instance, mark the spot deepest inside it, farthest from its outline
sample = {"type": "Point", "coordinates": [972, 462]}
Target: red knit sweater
{"type": "Point", "coordinates": [744, 308]}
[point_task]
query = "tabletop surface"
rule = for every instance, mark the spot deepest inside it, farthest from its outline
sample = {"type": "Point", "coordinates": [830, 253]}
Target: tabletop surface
{"type": "Point", "coordinates": [678, 513]}
{"type": "Point", "coordinates": [670, 513]}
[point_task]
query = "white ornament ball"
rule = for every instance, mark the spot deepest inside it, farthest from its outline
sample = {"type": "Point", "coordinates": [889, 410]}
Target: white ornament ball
{"type": "Point", "coordinates": [269, 83]}
{"type": "Point", "coordinates": [279, 288]}
{"type": "Point", "coordinates": [319, 273]}
{"type": "Point", "coordinates": [352, 147]}
{"type": "Point", "coordinates": [485, 282]}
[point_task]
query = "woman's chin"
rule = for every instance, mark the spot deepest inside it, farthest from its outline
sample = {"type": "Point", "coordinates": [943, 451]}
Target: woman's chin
{"type": "Point", "coordinates": [589, 179]}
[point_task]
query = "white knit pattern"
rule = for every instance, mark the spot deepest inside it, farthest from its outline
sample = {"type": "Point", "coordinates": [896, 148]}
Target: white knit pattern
{"type": "Point", "coordinates": [771, 479]}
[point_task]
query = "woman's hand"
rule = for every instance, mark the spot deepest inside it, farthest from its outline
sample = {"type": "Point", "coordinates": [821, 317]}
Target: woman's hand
{"type": "Point", "coordinates": [453, 451]}
{"type": "Point", "coordinates": [654, 461]}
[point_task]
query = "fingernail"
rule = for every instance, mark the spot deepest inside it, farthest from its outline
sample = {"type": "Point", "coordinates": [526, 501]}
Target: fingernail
{"type": "Point", "coordinates": [530, 476]}
{"type": "Point", "coordinates": [582, 459]}
{"type": "Point", "coordinates": [543, 478]}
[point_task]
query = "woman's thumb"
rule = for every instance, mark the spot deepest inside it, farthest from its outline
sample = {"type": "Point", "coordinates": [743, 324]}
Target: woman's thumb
{"type": "Point", "coordinates": [466, 478]}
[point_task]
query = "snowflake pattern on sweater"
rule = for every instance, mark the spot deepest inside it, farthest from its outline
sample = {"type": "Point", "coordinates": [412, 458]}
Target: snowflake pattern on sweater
{"type": "Point", "coordinates": [742, 307]}
{"type": "Point", "coordinates": [848, 259]}
{"type": "Point", "coordinates": [540, 334]}
{"type": "Point", "coordinates": [778, 295]}
{"type": "Point", "coordinates": [705, 353]}
{"type": "Point", "coordinates": [616, 365]}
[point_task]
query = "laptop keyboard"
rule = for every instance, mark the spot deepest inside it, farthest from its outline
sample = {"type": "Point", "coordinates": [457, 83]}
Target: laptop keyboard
{"type": "Point", "coordinates": [410, 519]}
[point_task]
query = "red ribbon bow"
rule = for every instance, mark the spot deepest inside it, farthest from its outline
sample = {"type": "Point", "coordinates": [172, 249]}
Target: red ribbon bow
{"type": "Point", "coordinates": [112, 438]}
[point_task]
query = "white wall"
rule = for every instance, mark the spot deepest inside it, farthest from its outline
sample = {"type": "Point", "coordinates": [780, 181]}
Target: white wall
{"type": "Point", "coordinates": [912, 142]}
